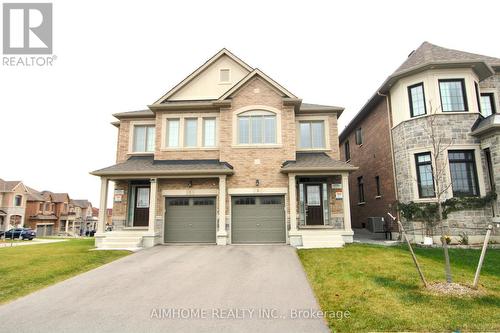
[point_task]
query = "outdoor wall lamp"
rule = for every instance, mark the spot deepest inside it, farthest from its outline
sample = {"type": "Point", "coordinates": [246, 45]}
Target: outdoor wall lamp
{"type": "Point", "coordinates": [257, 182]}
{"type": "Point", "coordinates": [190, 183]}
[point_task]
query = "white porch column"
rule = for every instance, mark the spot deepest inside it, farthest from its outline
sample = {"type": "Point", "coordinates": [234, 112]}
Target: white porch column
{"type": "Point", "coordinates": [66, 226]}
{"type": "Point", "coordinates": [101, 223]}
{"type": "Point", "coordinates": [152, 205]}
{"type": "Point", "coordinates": [346, 202]}
{"type": "Point", "coordinates": [294, 235]}
{"type": "Point", "coordinates": [292, 196]}
{"type": "Point", "coordinates": [222, 233]}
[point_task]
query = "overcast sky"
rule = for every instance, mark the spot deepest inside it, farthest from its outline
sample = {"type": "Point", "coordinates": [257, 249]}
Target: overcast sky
{"type": "Point", "coordinates": [115, 57]}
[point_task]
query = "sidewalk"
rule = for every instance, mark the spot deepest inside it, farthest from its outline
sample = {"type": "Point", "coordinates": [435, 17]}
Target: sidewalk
{"type": "Point", "coordinates": [7, 242]}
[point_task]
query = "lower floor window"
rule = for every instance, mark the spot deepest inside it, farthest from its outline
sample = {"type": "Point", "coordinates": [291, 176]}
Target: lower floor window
{"type": "Point", "coordinates": [361, 190]}
{"type": "Point", "coordinates": [425, 177]}
{"type": "Point", "coordinates": [463, 173]}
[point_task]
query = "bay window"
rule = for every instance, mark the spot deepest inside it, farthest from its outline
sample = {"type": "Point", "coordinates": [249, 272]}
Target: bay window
{"type": "Point", "coordinates": [144, 139]}
{"type": "Point", "coordinates": [487, 104]}
{"type": "Point", "coordinates": [416, 97]}
{"type": "Point", "coordinates": [425, 176]}
{"type": "Point", "coordinates": [453, 95]}
{"type": "Point", "coordinates": [463, 173]}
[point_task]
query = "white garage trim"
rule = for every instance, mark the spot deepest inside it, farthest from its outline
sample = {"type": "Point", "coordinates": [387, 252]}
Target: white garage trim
{"type": "Point", "coordinates": [257, 190]}
{"type": "Point", "coordinates": [189, 192]}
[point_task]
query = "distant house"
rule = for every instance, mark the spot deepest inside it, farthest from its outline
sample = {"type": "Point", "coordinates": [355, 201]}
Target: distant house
{"type": "Point", "coordinates": [83, 216]}
{"type": "Point", "coordinates": [12, 204]}
{"type": "Point", "coordinates": [389, 139]}
{"type": "Point", "coordinates": [40, 212]}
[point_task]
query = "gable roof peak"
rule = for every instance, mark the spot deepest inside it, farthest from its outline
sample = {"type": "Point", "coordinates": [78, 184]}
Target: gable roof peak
{"type": "Point", "coordinates": [199, 70]}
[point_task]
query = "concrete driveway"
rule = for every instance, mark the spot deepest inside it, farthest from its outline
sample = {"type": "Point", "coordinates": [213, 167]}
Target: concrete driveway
{"type": "Point", "coordinates": [177, 289]}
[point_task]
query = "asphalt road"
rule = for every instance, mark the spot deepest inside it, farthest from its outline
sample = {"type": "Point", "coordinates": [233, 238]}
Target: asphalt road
{"type": "Point", "coordinates": [177, 289]}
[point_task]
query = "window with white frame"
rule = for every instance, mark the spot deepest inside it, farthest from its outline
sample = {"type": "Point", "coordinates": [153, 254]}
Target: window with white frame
{"type": "Point", "coordinates": [225, 75]}
{"type": "Point", "coordinates": [173, 127]}
{"type": "Point", "coordinates": [312, 134]}
{"type": "Point", "coordinates": [257, 127]}
{"type": "Point", "coordinates": [144, 138]}
{"type": "Point", "coordinates": [190, 132]}
{"type": "Point", "coordinates": [209, 132]}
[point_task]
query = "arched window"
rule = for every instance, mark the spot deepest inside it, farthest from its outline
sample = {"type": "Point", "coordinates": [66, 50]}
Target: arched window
{"type": "Point", "coordinates": [257, 127]}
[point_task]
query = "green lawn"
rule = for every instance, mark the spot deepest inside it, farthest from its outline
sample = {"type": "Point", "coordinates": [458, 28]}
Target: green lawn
{"type": "Point", "coordinates": [381, 289]}
{"type": "Point", "coordinates": [24, 269]}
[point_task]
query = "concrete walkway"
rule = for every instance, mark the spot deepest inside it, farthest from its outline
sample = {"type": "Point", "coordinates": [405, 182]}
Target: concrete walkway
{"type": "Point", "coordinates": [366, 237]}
{"type": "Point", "coordinates": [177, 289]}
{"type": "Point", "coordinates": [7, 242]}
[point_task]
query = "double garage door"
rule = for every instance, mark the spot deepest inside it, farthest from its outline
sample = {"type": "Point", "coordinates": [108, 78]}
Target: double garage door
{"type": "Point", "coordinates": [255, 219]}
{"type": "Point", "coordinates": [44, 230]}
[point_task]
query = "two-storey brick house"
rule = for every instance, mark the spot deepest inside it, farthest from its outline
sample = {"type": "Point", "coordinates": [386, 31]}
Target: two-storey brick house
{"type": "Point", "coordinates": [13, 196]}
{"type": "Point", "coordinates": [390, 139]}
{"type": "Point", "coordinates": [228, 156]}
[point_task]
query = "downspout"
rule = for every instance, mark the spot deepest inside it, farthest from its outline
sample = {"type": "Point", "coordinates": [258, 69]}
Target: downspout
{"type": "Point", "coordinates": [389, 116]}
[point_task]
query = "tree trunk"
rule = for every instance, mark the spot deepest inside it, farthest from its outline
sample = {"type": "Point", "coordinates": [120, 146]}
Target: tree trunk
{"type": "Point", "coordinates": [445, 244]}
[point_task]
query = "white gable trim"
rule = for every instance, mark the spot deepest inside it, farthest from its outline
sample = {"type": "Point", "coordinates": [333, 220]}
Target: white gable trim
{"type": "Point", "coordinates": [201, 69]}
{"type": "Point", "coordinates": [257, 72]}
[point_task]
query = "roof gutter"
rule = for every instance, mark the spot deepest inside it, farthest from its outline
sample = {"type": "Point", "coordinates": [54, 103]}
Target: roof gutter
{"type": "Point", "coordinates": [318, 169]}
{"type": "Point", "coordinates": [162, 172]}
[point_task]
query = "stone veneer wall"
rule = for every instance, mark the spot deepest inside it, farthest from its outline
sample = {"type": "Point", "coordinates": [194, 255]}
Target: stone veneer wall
{"type": "Point", "coordinates": [410, 135]}
{"type": "Point", "coordinates": [492, 141]}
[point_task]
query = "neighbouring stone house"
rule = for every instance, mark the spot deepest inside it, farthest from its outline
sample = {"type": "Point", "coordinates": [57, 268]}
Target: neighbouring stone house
{"type": "Point", "coordinates": [390, 139]}
{"type": "Point", "coordinates": [227, 156]}
{"type": "Point", "coordinates": [12, 204]}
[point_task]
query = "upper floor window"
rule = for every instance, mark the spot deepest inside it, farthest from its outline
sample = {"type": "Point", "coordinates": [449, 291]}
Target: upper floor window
{"type": "Point", "coordinates": [257, 127]}
{"type": "Point", "coordinates": [425, 177]}
{"type": "Point", "coordinates": [463, 173]}
{"type": "Point", "coordinates": [40, 207]}
{"type": "Point", "coordinates": [347, 151]}
{"type": "Point", "coordinates": [225, 75]}
{"type": "Point", "coordinates": [453, 95]}
{"type": "Point", "coordinates": [190, 132]}
{"type": "Point", "coordinates": [359, 136]}
{"type": "Point", "coordinates": [487, 104]}
{"type": "Point", "coordinates": [417, 99]}
{"type": "Point", "coordinates": [209, 132]}
{"type": "Point", "coordinates": [144, 138]}
{"type": "Point", "coordinates": [47, 206]}
{"type": "Point", "coordinates": [377, 186]}
{"type": "Point", "coordinates": [173, 132]}
{"type": "Point", "coordinates": [18, 200]}
{"type": "Point", "coordinates": [312, 134]}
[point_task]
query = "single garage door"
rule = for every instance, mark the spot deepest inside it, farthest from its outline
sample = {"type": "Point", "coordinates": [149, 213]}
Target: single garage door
{"type": "Point", "coordinates": [190, 220]}
{"type": "Point", "coordinates": [259, 219]}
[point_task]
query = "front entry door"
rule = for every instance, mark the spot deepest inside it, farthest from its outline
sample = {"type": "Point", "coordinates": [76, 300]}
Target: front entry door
{"type": "Point", "coordinates": [141, 207]}
{"type": "Point", "coordinates": [314, 205]}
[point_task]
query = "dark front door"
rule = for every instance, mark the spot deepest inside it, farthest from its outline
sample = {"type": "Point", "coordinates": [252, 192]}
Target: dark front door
{"type": "Point", "coordinates": [314, 205]}
{"type": "Point", "coordinates": [141, 207]}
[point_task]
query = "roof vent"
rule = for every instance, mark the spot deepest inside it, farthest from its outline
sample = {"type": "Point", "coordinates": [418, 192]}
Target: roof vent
{"type": "Point", "coordinates": [409, 55]}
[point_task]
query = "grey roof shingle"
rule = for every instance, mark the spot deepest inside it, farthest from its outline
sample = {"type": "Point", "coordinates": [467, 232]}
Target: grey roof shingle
{"type": "Point", "coordinates": [147, 165]}
{"type": "Point", "coordinates": [429, 53]}
{"type": "Point", "coordinates": [8, 185]}
{"type": "Point", "coordinates": [82, 203]}
{"type": "Point", "coordinates": [316, 162]}
{"type": "Point", "coordinates": [486, 125]}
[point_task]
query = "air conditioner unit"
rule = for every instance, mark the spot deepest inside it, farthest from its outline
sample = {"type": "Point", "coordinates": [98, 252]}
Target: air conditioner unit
{"type": "Point", "coordinates": [376, 224]}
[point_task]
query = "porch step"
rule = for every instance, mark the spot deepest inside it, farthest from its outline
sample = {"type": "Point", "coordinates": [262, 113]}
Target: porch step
{"type": "Point", "coordinates": [321, 240]}
{"type": "Point", "coordinates": [126, 239]}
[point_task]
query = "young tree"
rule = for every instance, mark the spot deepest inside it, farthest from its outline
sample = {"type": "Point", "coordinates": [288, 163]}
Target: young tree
{"type": "Point", "coordinates": [439, 145]}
